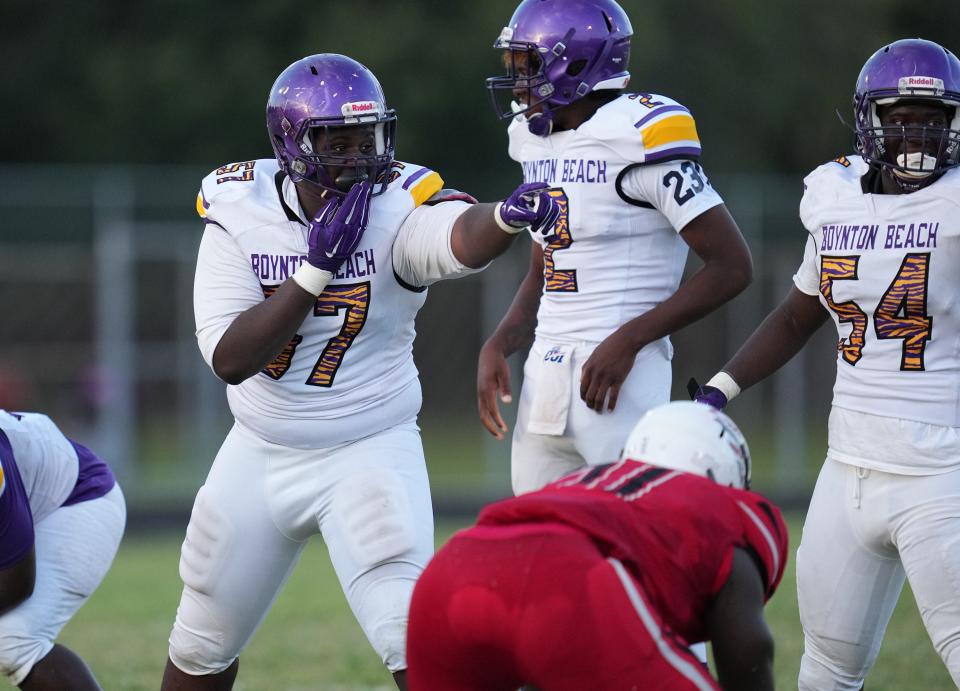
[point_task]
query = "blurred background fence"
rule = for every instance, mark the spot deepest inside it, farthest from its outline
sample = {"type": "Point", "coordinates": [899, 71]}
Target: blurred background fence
{"type": "Point", "coordinates": [96, 284]}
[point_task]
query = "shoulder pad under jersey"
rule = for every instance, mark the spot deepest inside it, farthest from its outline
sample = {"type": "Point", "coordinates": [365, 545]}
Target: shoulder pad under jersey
{"type": "Point", "coordinates": [948, 186]}
{"type": "Point", "coordinates": [240, 195]}
{"type": "Point", "coordinates": [828, 183]}
{"type": "Point", "coordinates": [518, 136]}
{"type": "Point", "coordinates": [645, 128]}
{"type": "Point", "coordinates": [419, 182]}
{"type": "Point", "coordinates": [450, 195]}
{"type": "Point", "coordinates": [765, 533]}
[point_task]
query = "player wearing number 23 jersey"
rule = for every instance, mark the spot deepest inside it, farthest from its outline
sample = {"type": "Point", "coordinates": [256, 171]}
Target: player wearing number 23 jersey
{"type": "Point", "coordinates": [881, 261]}
{"type": "Point", "coordinates": [311, 271]}
{"type": "Point", "coordinates": [603, 291]}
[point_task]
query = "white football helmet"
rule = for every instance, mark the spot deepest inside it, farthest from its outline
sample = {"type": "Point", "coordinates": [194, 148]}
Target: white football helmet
{"type": "Point", "coordinates": [692, 437]}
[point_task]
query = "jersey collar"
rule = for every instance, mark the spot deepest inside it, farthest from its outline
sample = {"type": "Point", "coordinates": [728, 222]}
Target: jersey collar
{"type": "Point", "coordinates": [287, 194]}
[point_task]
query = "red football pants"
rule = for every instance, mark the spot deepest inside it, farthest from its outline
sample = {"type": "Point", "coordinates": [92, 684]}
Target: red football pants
{"type": "Point", "coordinates": [539, 604]}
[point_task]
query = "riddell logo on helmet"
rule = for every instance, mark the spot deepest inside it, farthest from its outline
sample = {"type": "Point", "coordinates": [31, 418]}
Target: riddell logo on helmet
{"type": "Point", "coordinates": [360, 107]}
{"type": "Point", "coordinates": [909, 85]}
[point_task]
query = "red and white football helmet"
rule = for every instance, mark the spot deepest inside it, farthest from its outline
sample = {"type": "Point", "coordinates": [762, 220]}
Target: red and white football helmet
{"type": "Point", "coordinates": [692, 437]}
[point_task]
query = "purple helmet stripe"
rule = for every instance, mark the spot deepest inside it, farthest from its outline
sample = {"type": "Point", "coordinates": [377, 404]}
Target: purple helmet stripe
{"type": "Point", "coordinates": [659, 111]}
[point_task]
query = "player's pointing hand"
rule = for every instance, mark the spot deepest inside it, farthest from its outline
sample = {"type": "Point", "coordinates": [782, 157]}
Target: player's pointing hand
{"type": "Point", "coordinates": [530, 206]}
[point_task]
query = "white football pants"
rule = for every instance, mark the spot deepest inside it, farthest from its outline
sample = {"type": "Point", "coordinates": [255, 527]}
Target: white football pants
{"type": "Point", "coordinates": [589, 437]}
{"type": "Point", "coordinates": [74, 548]}
{"type": "Point", "coordinates": [370, 499]}
{"type": "Point", "coordinates": [864, 532]}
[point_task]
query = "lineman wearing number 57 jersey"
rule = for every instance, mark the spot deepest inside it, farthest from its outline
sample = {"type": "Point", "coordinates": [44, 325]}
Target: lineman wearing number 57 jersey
{"type": "Point", "coordinates": [882, 261]}
{"type": "Point", "coordinates": [311, 271]}
{"type": "Point", "coordinates": [602, 294]}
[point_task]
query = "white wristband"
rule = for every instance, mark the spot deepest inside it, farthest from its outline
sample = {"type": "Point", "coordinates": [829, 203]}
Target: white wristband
{"type": "Point", "coordinates": [504, 226]}
{"type": "Point", "coordinates": [726, 384]}
{"type": "Point", "coordinates": [312, 279]}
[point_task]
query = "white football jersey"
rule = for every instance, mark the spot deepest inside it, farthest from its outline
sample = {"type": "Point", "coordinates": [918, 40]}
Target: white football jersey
{"type": "Point", "coordinates": [887, 269]}
{"type": "Point", "coordinates": [45, 458]}
{"type": "Point", "coordinates": [349, 371]}
{"type": "Point", "coordinates": [627, 181]}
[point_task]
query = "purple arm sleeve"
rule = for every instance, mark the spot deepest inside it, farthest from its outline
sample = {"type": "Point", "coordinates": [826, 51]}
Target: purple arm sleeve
{"type": "Point", "coordinates": [16, 521]}
{"type": "Point", "coordinates": [94, 477]}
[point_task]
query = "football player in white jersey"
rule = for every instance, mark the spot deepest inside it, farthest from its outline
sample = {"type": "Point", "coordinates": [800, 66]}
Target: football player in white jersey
{"type": "Point", "coordinates": [62, 516]}
{"type": "Point", "coordinates": [311, 270]}
{"type": "Point", "coordinates": [603, 293]}
{"type": "Point", "coordinates": [882, 260]}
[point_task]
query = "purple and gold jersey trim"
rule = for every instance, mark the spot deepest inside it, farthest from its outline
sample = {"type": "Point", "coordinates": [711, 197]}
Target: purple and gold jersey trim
{"type": "Point", "coordinates": [416, 176]}
{"type": "Point", "coordinates": [669, 133]}
{"type": "Point", "coordinates": [422, 185]}
{"type": "Point", "coordinates": [658, 113]}
{"type": "Point", "coordinates": [202, 204]}
{"type": "Point", "coordinates": [16, 520]}
{"type": "Point", "coordinates": [675, 154]}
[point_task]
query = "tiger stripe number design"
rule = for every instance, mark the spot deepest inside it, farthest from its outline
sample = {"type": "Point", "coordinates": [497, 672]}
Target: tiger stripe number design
{"type": "Point", "coordinates": [900, 314]}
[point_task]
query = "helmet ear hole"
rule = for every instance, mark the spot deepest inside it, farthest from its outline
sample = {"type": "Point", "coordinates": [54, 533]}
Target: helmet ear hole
{"type": "Point", "coordinates": [576, 67]}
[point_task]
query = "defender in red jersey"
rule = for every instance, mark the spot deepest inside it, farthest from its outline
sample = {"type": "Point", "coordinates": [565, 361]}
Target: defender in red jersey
{"type": "Point", "coordinates": [603, 579]}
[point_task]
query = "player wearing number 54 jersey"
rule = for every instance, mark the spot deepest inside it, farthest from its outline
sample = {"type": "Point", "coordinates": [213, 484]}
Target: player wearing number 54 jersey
{"type": "Point", "coordinates": [310, 273]}
{"type": "Point", "coordinates": [602, 294]}
{"type": "Point", "coordinates": [883, 260]}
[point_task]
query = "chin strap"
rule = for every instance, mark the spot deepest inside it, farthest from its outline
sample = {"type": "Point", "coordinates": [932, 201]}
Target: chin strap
{"type": "Point", "coordinates": [912, 184]}
{"type": "Point", "coordinates": [541, 124]}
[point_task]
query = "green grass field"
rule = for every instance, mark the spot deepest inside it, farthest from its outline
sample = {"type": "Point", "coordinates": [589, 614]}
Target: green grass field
{"type": "Point", "coordinates": [310, 640]}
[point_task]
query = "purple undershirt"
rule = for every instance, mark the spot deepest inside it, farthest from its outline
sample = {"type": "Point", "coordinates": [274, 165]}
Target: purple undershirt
{"type": "Point", "coordinates": [94, 477]}
{"type": "Point", "coordinates": [16, 521]}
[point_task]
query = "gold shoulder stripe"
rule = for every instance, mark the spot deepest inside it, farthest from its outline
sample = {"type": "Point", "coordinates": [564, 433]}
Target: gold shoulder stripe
{"type": "Point", "coordinates": [200, 207]}
{"type": "Point", "coordinates": [676, 128]}
{"type": "Point", "coordinates": [426, 188]}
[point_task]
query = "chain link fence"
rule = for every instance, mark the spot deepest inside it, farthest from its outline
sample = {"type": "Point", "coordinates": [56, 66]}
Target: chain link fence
{"type": "Point", "coordinates": [96, 270]}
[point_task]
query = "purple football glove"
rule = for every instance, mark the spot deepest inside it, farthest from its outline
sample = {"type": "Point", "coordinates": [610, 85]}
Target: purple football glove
{"type": "Point", "coordinates": [710, 395]}
{"type": "Point", "coordinates": [336, 230]}
{"type": "Point", "coordinates": [531, 205]}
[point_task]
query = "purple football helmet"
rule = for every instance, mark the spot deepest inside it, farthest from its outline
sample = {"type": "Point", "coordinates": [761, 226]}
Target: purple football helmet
{"type": "Point", "coordinates": [311, 103]}
{"type": "Point", "coordinates": [559, 51]}
{"type": "Point", "coordinates": [911, 71]}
